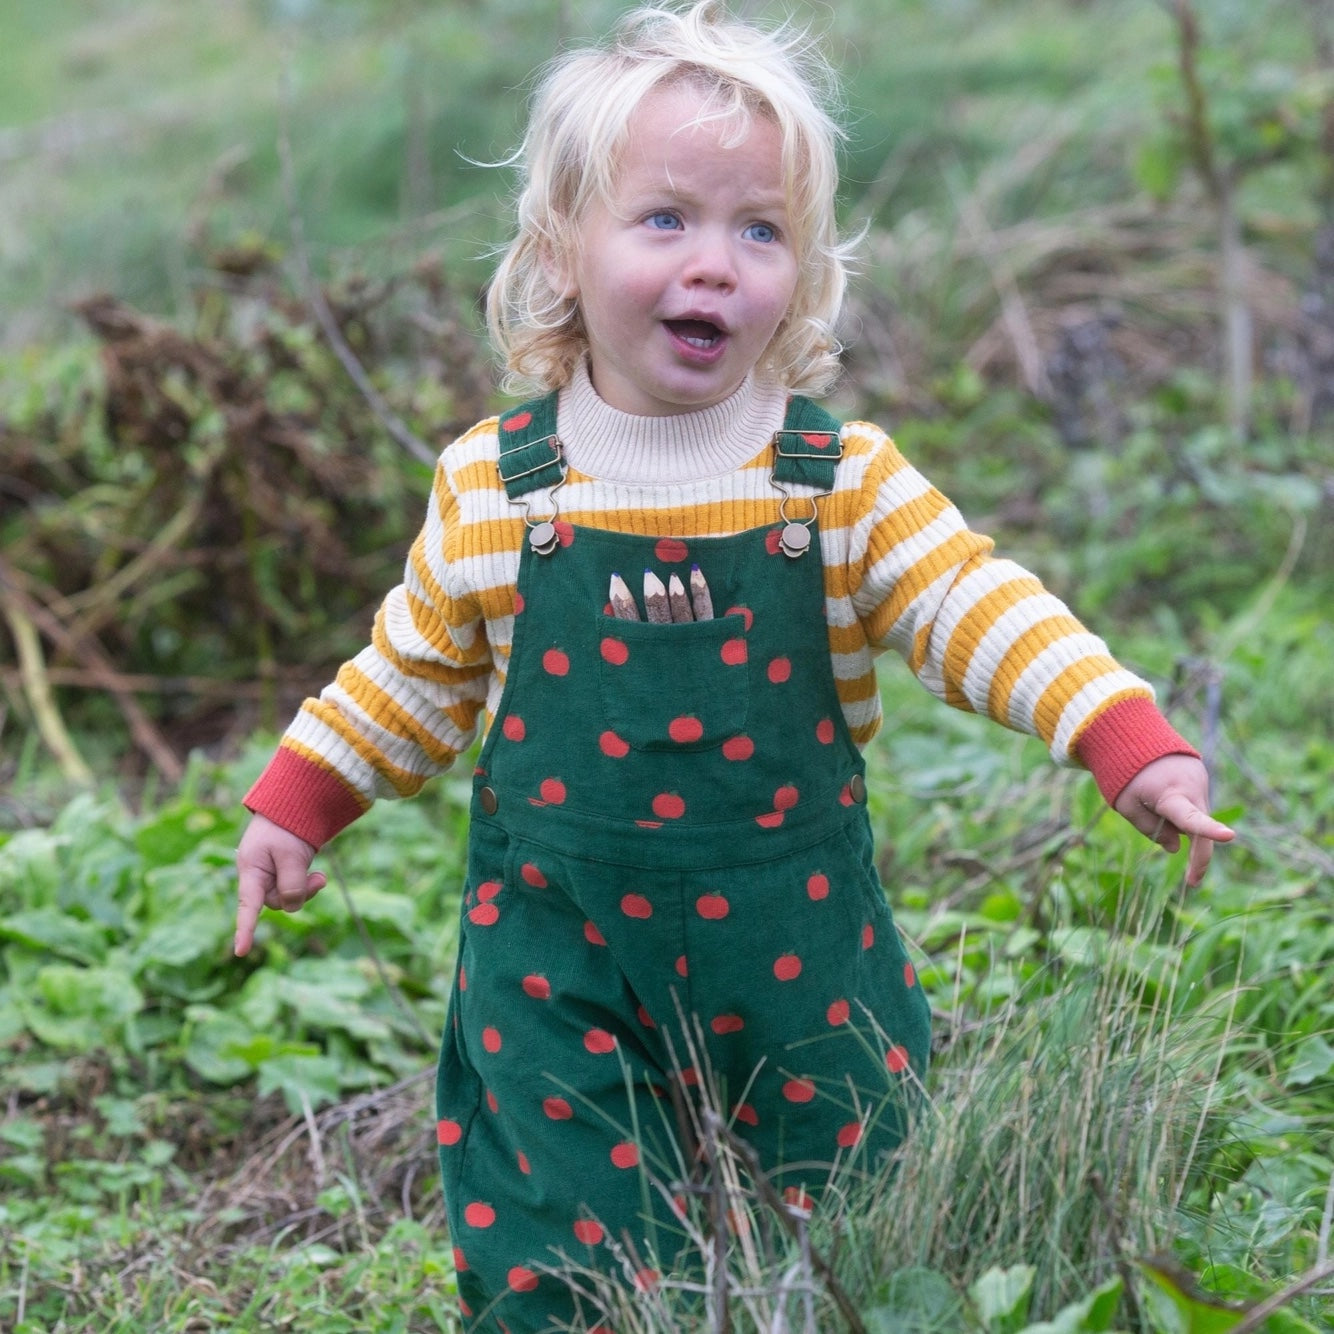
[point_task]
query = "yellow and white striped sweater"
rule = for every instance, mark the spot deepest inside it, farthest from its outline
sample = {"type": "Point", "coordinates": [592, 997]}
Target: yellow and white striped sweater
{"type": "Point", "coordinates": [902, 571]}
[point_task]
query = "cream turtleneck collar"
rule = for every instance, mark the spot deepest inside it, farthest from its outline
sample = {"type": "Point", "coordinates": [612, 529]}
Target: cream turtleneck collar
{"type": "Point", "coordinates": [601, 441]}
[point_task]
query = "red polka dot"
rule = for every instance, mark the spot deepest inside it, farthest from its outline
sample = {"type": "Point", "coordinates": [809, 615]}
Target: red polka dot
{"type": "Point", "coordinates": [464, 1309]}
{"type": "Point", "coordinates": [746, 1114]}
{"type": "Point", "coordinates": [615, 651]}
{"type": "Point", "coordinates": [553, 791]}
{"type": "Point", "coordinates": [491, 1039]}
{"type": "Point", "coordinates": [564, 531]}
{"type": "Point", "coordinates": [685, 730]}
{"type": "Point", "coordinates": [744, 612]}
{"type": "Point", "coordinates": [817, 887]}
{"type": "Point", "coordinates": [838, 1013]}
{"type": "Point", "coordinates": [484, 914]}
{"type": "Point", "coordinates": [671, 550]}
{"type": "Point", "coordinates": [588, 1231]}
{"type": "Point", "coordinates": [478, 1214]}
{"type": "Point", "coordinates": [738, 748]}
{"type": "Point", "coordinates": [557, 1109]}
{"type": "Point", "coordinates": [513, 728]}
{"type": "Point", "coordinates": [796, 1197]}
{"type": "Point", "coordinates": [593, 935]}
{"type": "Point", "coordinates": [780, 670]}
{"type": "Point", "coordinates": [727, 1023]}
{"type": "Point", "coordinates": [532, 876]}
{"type": "Point", "coordinates": [824, 731]}
{"type": "Point", "coordinates": [524, 1166]}
{"type": "Point", "coordinates": [599, 1041]}
{"type": "Point", "coordinates": [734, 652]}
{"type": "Point", "coordinates": [625, 1154]}
{"type": "Point", "coordinates": [555, 663]}
{"type": "Point", "coordinates": [518, 421]}
{"type": "Point", "coordinates": [868, 936]}
{"type": "Point", "coordinates": [536, 986]}
{"type": "Point", "coordinates": [487, 890]}
{"type": "Point", "coordinates": [636, 905]}
{"type": "Point", "coordinates": [786, 797]}
{"type": "Point", "coordinates": [682, 966]}
{"type": "Point", "coordinates": [787, 967]}
{"type": "Point", "coordinates": [521, 1279]}
{"type": "Point", "coordinates": [463, 979]}
{"type": "Point", "coordinates": [668, 806]}
{"type": "Point", "coordinates": [645, 1018]}
{"type": "Point", "coordinates": [448, 1132]}
{"type": "Point", "coordinates": [712, 907]}
{"type": "Point", "coordinates": [610, 744]}
{"type": "Point", "coordinates": [849, 1135]}
{"type": "Point", "coordinates": [799, 1090]}
{"type": "Point", "coordinates": [518, 603]}
{"type": "Point", "coordinates": [492, 1105]}
{"type": "Point", "coordinates": [896, 1059]}
{"type": "Point", "coordinates": [909, 975]}
{"type": "Point", "coordinates": [769, 820]}
{"type": "Point", "coordinates": [773, 541]}
{"type": "Point", "coordinates": [460, 1261]}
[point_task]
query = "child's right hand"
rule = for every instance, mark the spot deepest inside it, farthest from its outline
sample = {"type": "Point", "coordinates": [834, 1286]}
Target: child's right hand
{"type": "Point", "coordinates": [273, 871]}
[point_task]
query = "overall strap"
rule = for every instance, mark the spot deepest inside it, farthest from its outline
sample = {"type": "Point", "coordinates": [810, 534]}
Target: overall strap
{"type": "Point", "coordinates": [807, 448]}
{"type": "Point", "coordinates": [531, 457]}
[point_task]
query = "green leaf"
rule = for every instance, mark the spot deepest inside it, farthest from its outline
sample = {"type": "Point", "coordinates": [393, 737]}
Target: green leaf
{"type": "Point", "coordinates": [302, 1080]}
{"type": "Point", "coordinates": [1092, 1315]}
{"type": "Point", "coordinates": [915, 1301]}
{"type": "Point", "coordinates": [1314, 1059]}
{"type": "Point", "coordinates": [50, 929]}
{"type": "Point", "coordinates": [1001, 1297]}
{"type": "Point", "coordinates": [1177, 1304]}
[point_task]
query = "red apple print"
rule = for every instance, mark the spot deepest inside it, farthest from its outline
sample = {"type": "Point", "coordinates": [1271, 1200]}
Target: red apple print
{"type": "Point", "coordinates": [780, 670]}
{"type": "Point", "coordinates": [478, 1214]}
{"type": "Point", "coordinates": [909, 975]}
{"type": "Point", "coordinates": [484, 914]}
{"type": "Point", "coordinates": [738, 748]}
{"type": "Point", "coordinates": [464, 1309]}
{"type": "Point", "coordinates": [448, 1132]}
{"type": "Point", "coordinates": [668, 806]}
{"type": "Point", "coordinates": [625, 1154]}
{"type": "Point", "coordinates": [491, 1039]}
{"type": "Point", "coordinates": [463, 979]}
{"type": "Point", "coordinates": [518, 603]}
{"type": "Point", "coordinates": [773, 541]}
{"type": "Point", "coordinates": [734, 652]}
{"type": "Point", "coordinates": [598, 1041]}
{"type": "Point", "coordinates": [838, 1013]}
{"type": "Point", "coordinates": [646, 1280]}
{"type": "Point", "coordinates": [685, 730]}
{"type": "Point", "coordinates": [796, 1197]}
{"type": "Point", "coordinates": [532, 876]}
{"type": "Point", "coordinates": [817, 441]}
{"type": "Point", "coordinates": [799, 1090]}
{"type": "Point", "coordinates": [513, 728]}
{"type": "Point", "coordinates": [727, 1023]}
{"type": "Point", "coordinates": [849, 1135]}
{"type": "Point", "coordinates": [645, 1018]}
{"type": "Point", "coordinates": [553, 791]}
{"type": "Point", "coordinates": [690, 1077]}
{"type": "Point", "coordinates": [460, 1262]}
{"type": "Point", "coordinates": [524, 1166]}
{"type": "Point", "coordinates": [492, 1105]}
{"type": "Point", "coordinates": [593, 935]}
{"type": "Point", "coordinates": [555, 663]}
{"type": "Point", "coordinates": [487, 890]}
{"type": "Point", "coordinates": [746, 1114]}
{"type": "Point", "coordinates": [588, 1231]}
{"type": "Point", "coordinates": [557, 1109]}
{"type": "Point", "coordinates": [610, 744]}
{"type": "Point", "coordinates": [636, 905]}
{"type": "Point", "coordinates": [671, 551]}
{"type": "Point", "coordinates": [679, 1206]}
{"type": "Point", "coordinates": [824, 731]}
{"type": "Point", "coordinates": [868, 936]}
{"type": "Point", "coordinates": [615, 651]}
{"type": "Point", "coordinates": [521, 1279]}
{"type": "Point", "coordinates": [817, 887]}
{"type": "Point", "coordinates": [786, 797]}
{"type": "Point", "coordinates": [564, 531]}
{"type": "Point", "coordinates": [649, 824]}
{"type": "Point", "coordinates": [682, 966]}
{"type": "Point", "coordinates": [536, 986]}
{"type": "Point", "coordinates": [845, 797]}
{"type": "Point", "coordinates": [712, 907]}
{"type": "Point", "coordinates": [744, 612]}
{"type": "Point", "coordinates": [769, 820]}
{"type": "Point", "coordinates": [786, 967]}
{"type": "Point", "coordinates": [518, 421]}
{"type": "Point", "coordinates": [896, 1059]}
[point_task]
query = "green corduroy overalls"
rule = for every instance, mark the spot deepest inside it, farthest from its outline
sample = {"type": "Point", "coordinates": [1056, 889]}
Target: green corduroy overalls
{"type": "Point", "coordinates": [670, 877]}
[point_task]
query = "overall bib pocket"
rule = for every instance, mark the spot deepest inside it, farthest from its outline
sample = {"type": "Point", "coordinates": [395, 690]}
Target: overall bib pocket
{"type": "Point", "coordinates": [677, 686]}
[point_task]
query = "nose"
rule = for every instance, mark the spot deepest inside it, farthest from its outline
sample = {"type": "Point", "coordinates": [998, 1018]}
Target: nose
{"type": "Point", "coordinates": [711, 262]}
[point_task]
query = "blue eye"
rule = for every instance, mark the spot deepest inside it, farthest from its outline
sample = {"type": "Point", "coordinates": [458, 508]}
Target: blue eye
{"type": "Point", "coordinates": [664, 221]}
{"type": "Point", "coordinates": [761, 231]}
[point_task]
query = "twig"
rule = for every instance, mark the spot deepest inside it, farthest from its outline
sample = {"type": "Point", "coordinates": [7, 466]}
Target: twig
{"type": "Point", "coordinates": [388, 418]}
{"type": "Point", "coordinates": [1261, 1312]}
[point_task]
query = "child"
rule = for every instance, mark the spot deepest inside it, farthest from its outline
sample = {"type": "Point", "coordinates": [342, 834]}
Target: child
{"type": "Point", "coordinates": [669, 842]}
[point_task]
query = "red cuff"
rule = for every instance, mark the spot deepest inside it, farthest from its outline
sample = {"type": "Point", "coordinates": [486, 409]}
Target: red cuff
{"type": "Point", "coordinates": [1118, 743]}
{"type": "Point", "coordinates": [306, 800]}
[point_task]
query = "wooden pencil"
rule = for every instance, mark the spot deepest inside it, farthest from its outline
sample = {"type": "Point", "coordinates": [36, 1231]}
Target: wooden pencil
{"type": "Point", "coordinates": [622, 600]}
{"type": "Point", "coordinates": [656, 606]}
{"type": "Point", "coordinates": [700, 596]}
{"type": "Point", "coordinates": [677, 600]}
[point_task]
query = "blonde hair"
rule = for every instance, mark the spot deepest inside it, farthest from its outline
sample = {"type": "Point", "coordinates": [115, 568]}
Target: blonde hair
{"type": "Point", "coordinates": [578, 125]}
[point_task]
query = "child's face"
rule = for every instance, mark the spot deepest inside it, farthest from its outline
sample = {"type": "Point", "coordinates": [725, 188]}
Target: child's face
{"type": "Point", "coordinates": [683, 276]}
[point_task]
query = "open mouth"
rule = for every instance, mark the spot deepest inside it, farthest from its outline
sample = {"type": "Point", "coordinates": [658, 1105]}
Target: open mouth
{"type": "Point", "coordinates": [702, 334]}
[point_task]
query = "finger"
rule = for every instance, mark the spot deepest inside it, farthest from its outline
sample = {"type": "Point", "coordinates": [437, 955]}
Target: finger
{"type": "Point", "coordinates": [1201, 850]}
{"type": "Point", "coordinates": [1191, 820]}
{"type": "Point", "coordinates": [250, 899]}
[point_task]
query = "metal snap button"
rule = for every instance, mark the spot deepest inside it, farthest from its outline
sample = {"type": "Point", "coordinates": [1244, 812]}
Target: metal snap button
{"type": "Point", "coordinates": [543, 538]}
{"type": "Point", "coordinates": [487, 800]}
{"type": "Point", "coordinates": [794, 540]}
{"type": "Point", "coordinates": [857, 788]}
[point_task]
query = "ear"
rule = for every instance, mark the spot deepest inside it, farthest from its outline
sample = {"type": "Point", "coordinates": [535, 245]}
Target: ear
{"type": "Point", "coordinates": [559, 267]}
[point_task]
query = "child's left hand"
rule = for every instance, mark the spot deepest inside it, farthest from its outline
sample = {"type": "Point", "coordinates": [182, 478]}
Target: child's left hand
{"type": "Point", "coordinates": [1169, 797]}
